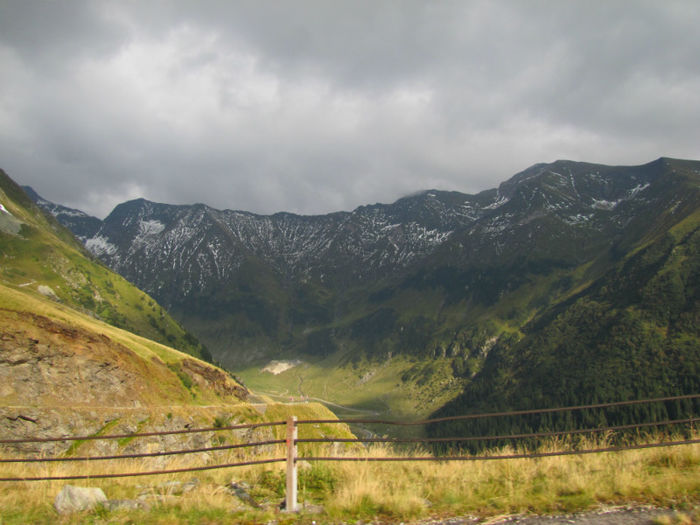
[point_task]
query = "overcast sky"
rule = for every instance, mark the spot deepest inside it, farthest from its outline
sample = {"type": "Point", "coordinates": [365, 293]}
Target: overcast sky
{"type": "Point", "coordinates": [318, 106]}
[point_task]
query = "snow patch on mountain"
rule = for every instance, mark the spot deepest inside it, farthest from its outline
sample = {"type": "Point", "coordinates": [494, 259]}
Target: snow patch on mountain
{"type": "Point", "coordinates": [577, 219]}
{"type": "Point", "coordinates": [68, 212]}
{"type": "Point", "coordinates": [277, 367]}
{"type": "Point", "coordinates": [500, 201]}
{"type": "Point", "coordinates": [146, 229]}
{"type": "Point", "coordinates": [100, 246]}
{"type": "Point", "coordinates": [601, 204]}
{"type": "Point", "coordinates": [636, 190]}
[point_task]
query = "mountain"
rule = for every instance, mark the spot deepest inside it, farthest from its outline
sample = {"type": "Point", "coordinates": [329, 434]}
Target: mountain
{"type": "Point", "coordinates": [41, 257]}
{"type": "Point", "coordinates": [79, 354]}
{"type": "Point", "coordinates": [80, 223]}
{"type": "Point", "coordinates": [632, 333]}
{"type": "Point", "coordinates": [62, 317]}
{"type": "Point", "coordinates": [437, 285]}
{"type": "Point", "coordinates": [269, 277]}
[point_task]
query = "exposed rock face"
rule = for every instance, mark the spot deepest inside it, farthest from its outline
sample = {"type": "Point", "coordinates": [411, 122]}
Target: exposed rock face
{"type": "Point", "coordinates": [48, 363]}
{"type": "Point", "coordinates": [43, 362]}
{"type": "Point", "coordinates": [34, 422]}
{"type": "Point", "coordinates": [214, 379]}
{"type": "Point", "coordinates": [60, 380]}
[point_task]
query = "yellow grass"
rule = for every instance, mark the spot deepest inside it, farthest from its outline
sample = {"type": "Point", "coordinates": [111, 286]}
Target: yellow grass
{"type": "Point", "coordinates": [390, 491]}
{"type": "Point", "coordinates": [665, 476]}
{"type": "Point", "coordinates": [20, 301]}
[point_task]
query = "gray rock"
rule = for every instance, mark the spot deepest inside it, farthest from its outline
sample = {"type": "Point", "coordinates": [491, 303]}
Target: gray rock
{"type": "Point", "coordinates": [241, 490]}
{"type": "Point", "coordinates": [178, 487]}
{"type": "Point", "coordinates": [76, 499]}
{"type": "Point", "coordinates": [125, 504]}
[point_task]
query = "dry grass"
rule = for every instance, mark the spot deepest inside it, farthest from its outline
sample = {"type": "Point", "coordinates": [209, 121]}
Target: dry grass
{"type": "Point", "coordinates": [390, 491]}
{"type": "Point", "coordinates": [565, 483]}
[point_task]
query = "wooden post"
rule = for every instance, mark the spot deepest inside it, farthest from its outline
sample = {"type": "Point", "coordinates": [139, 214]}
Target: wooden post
{"type": "Point", "coordinates": [292, 433]}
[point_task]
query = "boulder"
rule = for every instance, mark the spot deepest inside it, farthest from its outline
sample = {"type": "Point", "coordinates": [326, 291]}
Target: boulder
{"type": "Point", "coordinates": [76, 499]}
{"type": "Point", "coordinates": [176, 488]}
{"type": "Point", "coordinates": [125, 504]}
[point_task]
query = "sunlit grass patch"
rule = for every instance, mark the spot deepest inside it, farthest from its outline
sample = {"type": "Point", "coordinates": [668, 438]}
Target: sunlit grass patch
{"type": "Point", "coordinates": [396, 490]}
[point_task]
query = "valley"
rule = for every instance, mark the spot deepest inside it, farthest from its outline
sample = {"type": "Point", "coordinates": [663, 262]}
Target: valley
{"type": "Point", "coordinates": [400, 388]}
{"type": "Point", "coordinates": [399, 308]}
{"type": "Point", "coordinates": [82, 350]}
{"type": "Point", "coordinates": [549, 291]}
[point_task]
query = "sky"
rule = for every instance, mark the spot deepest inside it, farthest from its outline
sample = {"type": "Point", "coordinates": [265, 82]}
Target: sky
{"type": "Point", "coordinates": [319, 106]}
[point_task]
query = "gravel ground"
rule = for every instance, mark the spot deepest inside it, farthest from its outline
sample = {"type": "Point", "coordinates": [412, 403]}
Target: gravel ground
{"type": "Point", "coordinates": [603, 516]}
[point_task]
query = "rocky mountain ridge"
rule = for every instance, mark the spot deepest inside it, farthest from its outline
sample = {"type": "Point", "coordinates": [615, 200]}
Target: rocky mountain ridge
{"type": "Point", "coordinates": [203, 244]}
{"type": "Point", "coordinates": [79, 356]}
{"type": "Point", "coordinates": [436, 273]}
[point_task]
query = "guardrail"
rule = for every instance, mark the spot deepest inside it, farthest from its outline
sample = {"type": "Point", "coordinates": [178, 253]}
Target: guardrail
{"type": "Point", "coordinates": [292, 441]}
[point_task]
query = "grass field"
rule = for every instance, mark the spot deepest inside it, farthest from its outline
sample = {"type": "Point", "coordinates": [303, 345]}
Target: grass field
{"type": "Point", "coordinates": [390, 492]}
{"type": "Point", "coordinates": [399, 388]}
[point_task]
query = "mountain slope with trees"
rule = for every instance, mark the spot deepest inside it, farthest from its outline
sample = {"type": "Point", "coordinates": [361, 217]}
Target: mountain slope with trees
{"type": "Point", "coordinates": [443, 286]}
{"type": "Point", "coordinates": [633, 333]}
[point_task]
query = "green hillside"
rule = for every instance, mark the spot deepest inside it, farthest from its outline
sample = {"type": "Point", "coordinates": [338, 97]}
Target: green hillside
{"type": "Point", "coordinates": [544, 315]}
{"type": "Point", "coordinates": [634, 333]}
{"type": "Point", "coordinates": [40, 257]}
{"type": "Point", "coordinates": [538, 292]}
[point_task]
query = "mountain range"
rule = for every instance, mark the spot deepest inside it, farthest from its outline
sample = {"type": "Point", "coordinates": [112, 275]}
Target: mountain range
{"type": "Point", "coordinates": [83, 352]}
{"type": "Point", "coordinates": [459, 288]}
{"type": "Point", "coordinates": [75, 335]}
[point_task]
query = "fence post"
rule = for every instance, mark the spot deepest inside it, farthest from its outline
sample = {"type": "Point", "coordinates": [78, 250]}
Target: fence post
{"type": "Point", "coordinates": [292, 432]}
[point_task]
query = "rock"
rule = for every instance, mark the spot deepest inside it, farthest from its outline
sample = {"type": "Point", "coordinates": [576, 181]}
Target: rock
{"type": "Point", "coordinates": [178, 487]}
{"type": "Point", "coordinates": [241, 491]}
{"type": "Point", "coordinates": [76, 499]}
{"type": "Point", "coordinates": [125, 504]}
{"type": "Point", "coordinates": [47, 291]}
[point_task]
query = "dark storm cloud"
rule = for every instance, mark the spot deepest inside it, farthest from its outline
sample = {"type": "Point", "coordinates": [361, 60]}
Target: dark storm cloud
{"type": "Point", "coordinates": [317, 106]}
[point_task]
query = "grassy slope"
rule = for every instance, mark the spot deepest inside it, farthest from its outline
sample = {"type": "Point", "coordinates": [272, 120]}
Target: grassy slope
{"type": "Point", "coordinates": [42, 255]}
{"type": "Point", "coordinates": [400, 388]}
{"type": "Point", "coordinates": [460, 330]}
{"type": "Point", "coordinates": [631, 334]}
{"type": "Point", "coordinates": [153, 361]}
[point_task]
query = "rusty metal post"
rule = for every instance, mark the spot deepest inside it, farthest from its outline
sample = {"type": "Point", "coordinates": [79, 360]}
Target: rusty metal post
{"type": "Point", "coordinates": [292, 434]}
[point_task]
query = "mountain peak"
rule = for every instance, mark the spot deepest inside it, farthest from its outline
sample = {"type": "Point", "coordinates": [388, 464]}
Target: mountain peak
{"type": "Point", "coordinates": [80, 223]}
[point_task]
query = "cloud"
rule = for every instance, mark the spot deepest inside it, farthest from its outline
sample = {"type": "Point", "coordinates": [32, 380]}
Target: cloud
{"type": "Point", "coordinates": [317, 106]}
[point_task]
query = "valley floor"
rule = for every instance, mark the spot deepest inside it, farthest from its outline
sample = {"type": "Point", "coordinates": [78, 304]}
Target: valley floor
{"type": "Point", "coordinates": [398, 389]}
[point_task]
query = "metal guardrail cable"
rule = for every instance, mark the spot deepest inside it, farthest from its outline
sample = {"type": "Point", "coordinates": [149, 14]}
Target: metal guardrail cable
{"type": "Point", "coordinates": [359, 459]}
{"type": "Point", "coordinates": [502, 414]}
{"type": "Point", "coordinates": [346, 440]}
{"type": "Point", "coordinates": [364, 421]}
{"type": "Point", "coordinates": [291, 442]}
{"type": "Point", "coordinates": [148, 473]}
{"type": "Point", "coordinates": [507, 456]}
{"type": "Point", "coordinates": [143, 454]}
{"type": "Point", "coordinates": [505, 436]}
{"type": "Point", "coordinates": [145, 434]}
